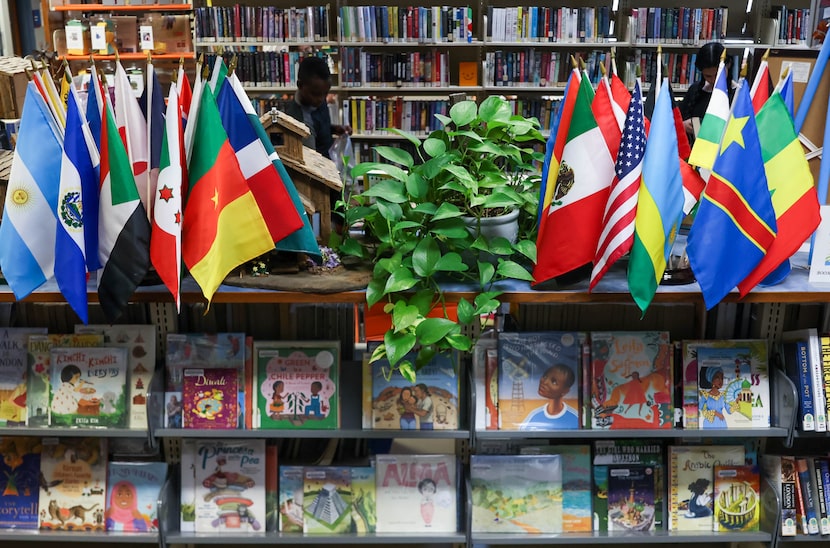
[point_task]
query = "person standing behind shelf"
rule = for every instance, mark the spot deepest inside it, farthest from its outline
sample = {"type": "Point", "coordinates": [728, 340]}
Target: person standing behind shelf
{"type": "Point", "coordinates": [694, 104]}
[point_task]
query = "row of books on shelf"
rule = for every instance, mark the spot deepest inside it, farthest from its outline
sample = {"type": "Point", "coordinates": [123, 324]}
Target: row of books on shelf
{"type": "Point", "coordinates": [429, 68]}
{"type": "Point", "coordinates": [666, 25]}
{"type": "Point", "coordinates": [540, 68]}
{"type": "Point", "coordinates": [805, 356]}
{"type": "Point", "coordinates": [793, 25]}
{"type": "Point", "coordinates": [389, 24]}
{"type": "Point", "coordinates": [240, 23]}
{"type": "Point", "coordinates": [802, 483]}
{"type": "Point", "coordinates": [679, 68]}
{"type": "Point", "coordinates": [548, 24]}
{"type": "Point", "coordinates": [265, 68]}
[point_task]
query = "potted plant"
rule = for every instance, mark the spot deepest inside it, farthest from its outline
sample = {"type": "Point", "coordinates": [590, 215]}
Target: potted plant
{"type": "Point", "coordinates": [425, 224]}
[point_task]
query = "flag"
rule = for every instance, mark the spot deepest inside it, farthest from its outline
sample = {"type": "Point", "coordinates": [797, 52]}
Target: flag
{"type": "Point", "coordinates": [194, 112]}
{"type": "Point", "coordinates": [620, 95]}
{"type": "Point", "coordinates": [123, 228]}
{"type": "Point", "coordinates": [95, 105]}
{"type": "Point", "coordinates": [735, 222]}
{"type": "Point", "coordinates": [77, 173]}
{"type": "Point", "coordinates": [66, 85]}
{"type": "Point", "coordinates": [51, 95]}
{"type": "Point", "coordinates": [265, 183]}
{"type": "Point", "coordinates": [565, 105]}
{"type": "Point", "coordinates": [790, 181]}
{"type": "Point", "coordinates": [27, 233]}
{"type": "Point", "coordinates": [152, 107]}
{"type": "Point", "coordinates": [785, 88]}
{"type": "Point", "coordinates": [166, 237]}
{"type": "Point", "coordinates": [712, 126]}
{"type": "Point", "coordinates": [571, 224]}
{"type": "Point", "coordinates": [218, 75]}
{"type": "Point", "coordinates": [760, 86]}
{"type": "Point", "coordinates": [618, 221]}
{"type": "Point", "coordinates": [184, 91]}
{"type": "Point", "coordinates": [223, 227]}
{"type": "Point", "coordinates": [659, 205]}
{"type": "Point", "coordinates": [132, 127]}
{"type": "Point", "coordinates": [94, 112]}
{"type": "Point", "coordinates": [606, 115]}
{"type": "Point", "coordinates": [302, 240]}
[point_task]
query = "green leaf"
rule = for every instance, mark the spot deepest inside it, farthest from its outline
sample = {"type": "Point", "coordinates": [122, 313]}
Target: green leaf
{"type": "Point", "coordinates": [487, 147]}
{"type": "Point", "coordinates": [426, 207]}
{"type": "Point", "coordinates": [460, 342]}
{"type": "Point", "coordinates": [494, 109]}
{"type": "Point", "coordinates": [425, 355]}
{"type": "Point", "coordinates": [379, 353]}
{"type": "Point", "coordinates": [400, 280]}
{"type": "Point", "coordinates": [407, 371]}
{"type": "Point", "coordinates": [423, 300]}
{"type": "Point", "coordinates": [389, 210]}
{"type": "Point", "coordinates": [425, 257]}
{"type": "Point", "coordinates": [446, 211]}
{"type": "Point", "coordinates": [451, 262]}
{"type": "Point", "coordinates": [405, 225]}
{"type": "Point", "coordinates": [398, 345]}
{"type": "Point", "coordinates": [512, 269]}
{"type": "Point", "coordinates": [434, 147]}
{"type": "Point", "coordinates": [486, 302]}
{"type": "Point", "coordinates": [406, 135]}
{"type": "Point", "coordinates": [350, 246]}
{"type": "Point", "coordinates": [450, 228]}
{"type": "Point", "coordinates": [374, 291]}
{"type": "Point", "coordinates": [466, 312]}
{"type": "Point", "coordinates": [391, 191]}
{"type": "Point", "coordinates": [500, 246]}
{"type": "Point", "coordinates": [443, 119]}
{"type": "Point", "coordinates": [526, 248]}
{"type": "Point", "coordinates": [461, 174]}
{"type": "Point", "coordinates": [463, 113]}
{"type": "Point", "coordinates": [393, 171]}
{"type": "Point", "coordinates": [397, 155]}
{"type": "Point", "coordinates": [432, 330]}
{"type": "Point", "coordinates": [467, 133]}
{"type": "Point", "coordinates": [417, 186]}
{"type": "Point", "coordinates": [486, 271]}
{"type": "Point", "coordinates": [404, 316]}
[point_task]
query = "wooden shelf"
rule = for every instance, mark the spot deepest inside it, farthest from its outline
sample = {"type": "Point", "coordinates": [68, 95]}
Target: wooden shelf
{"type": "Point", "coordinates": [130, 56]}
{"type": "Point", "coordinates": [131, 7]}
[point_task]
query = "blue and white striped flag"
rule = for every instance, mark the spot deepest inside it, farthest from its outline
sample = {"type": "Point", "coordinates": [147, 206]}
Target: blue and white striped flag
{"type": "Point", "coordinates": [27, 233]}
{"type": "Point", "coordinates": [77, 174]}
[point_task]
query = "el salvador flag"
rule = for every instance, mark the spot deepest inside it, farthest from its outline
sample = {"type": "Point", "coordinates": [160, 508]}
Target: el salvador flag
{"type": "Point", "coordinates": [27, 233]}
{"type": "Point", "coordinates": [77, 171]}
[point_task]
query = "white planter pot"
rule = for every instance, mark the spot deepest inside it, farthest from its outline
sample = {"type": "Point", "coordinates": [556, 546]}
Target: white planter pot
{"type": "Point", "coordinates": [506, 226]}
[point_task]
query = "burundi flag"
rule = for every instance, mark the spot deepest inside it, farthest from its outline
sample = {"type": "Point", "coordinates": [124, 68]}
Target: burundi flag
{"type": "Point", "coordinates": [583, 168]}
{"type": "Point", "coordinates": [268, 190]}
{"type": "Point", "coordinates": [659, 204]}
{"type": "Point", "coordinates": [77, 174]}
{"type": "Point", "coordinates": [302, 240]}
{"type": "Point", "coordinates": [223, 226]}
{"type": "Point", "coordinates": [790, 181]}
{"type": "Point", "coordinates": [712, 126]}
{"type": "Point", "coordinates": [27, 233]}
{"type": "Point", "coordinates": [735, 222]}
{"type": "Point", "coordinates": [166, 240]}
{"type": "Point", "coordinates": [123, 228]}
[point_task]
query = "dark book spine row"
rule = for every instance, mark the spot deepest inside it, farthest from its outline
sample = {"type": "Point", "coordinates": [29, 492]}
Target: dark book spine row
{"type": "Point", "coordinates": [404, 69]}
{"type": "Point", "coordinates": [793, 25]}
{"type": "Point", "coordinates": [548, 24]}
{"type": "Point", "coordinates": [667, 25]}
{"type": "Point", "coordinates": [265, 68]}
{"type": "Point", "coordinates": [371, 115]}
{"type": "Point", "coordinates": [424, 24]}
{"type": "Point", "coordinates": [538, 68]}
{"type": "Point", "coordinates": [239, 23]}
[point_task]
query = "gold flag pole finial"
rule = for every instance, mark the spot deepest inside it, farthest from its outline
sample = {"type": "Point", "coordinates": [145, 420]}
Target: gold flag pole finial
{"type": "Point", "coordinates": [149, 56]}
{"type": "Point", "coordinates": [723, 56]}
{"type": "Point", "coordinates": [765, 56]}
{"type": "Point", "coordinates": [205, 72]}
{"type": "Point", "coordinates": [201, 60]}
{"type": "Point", "coordinates": [29, 74]}
{"type": "Point", "coordinates": [659, 49]}
{"type": "Point", "coordinates": [744, 69]}
{"type": "Point", "coordinates": [174, 77]}
{"type": "Point", "coordinates": [181, 61]}
{"type": "Point", "coordinates": [581, 63]}
{"type": "Point", "coordinates": [117, 56]}
{"type": "Point", "coordinates": [34, 65]}
{"type": "Point", "coordinates": [602, 70]}
{"type": "Point", "coordinates": [785, 71]}
{"type": "Point", "coordinates": [232, 65]}
{"type": "Point", "coordinates": [573, 62]}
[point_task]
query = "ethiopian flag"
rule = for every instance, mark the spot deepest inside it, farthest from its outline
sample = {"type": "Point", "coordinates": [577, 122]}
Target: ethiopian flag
{"type": "Point", "coordinates": [223, 226]}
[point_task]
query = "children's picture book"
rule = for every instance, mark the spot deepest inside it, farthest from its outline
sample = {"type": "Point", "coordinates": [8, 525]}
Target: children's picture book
{"type": "Point", "coordinates": [539, 380]}
{"type": "Point", "coordinates": [19, 482]}
{"type": "Point", "coordinates": [692, 483]}
{"type": "Point", "coordinates": [197, 350]}
{"type": "Point", "coordinates": [132, 496]}
{"type": "Point", "coordinates": [140, 342]}
{"type": "Point", "coordinates": [14, 349]}
{"type": "Point", "coordinates": [40, 371]}
{"type": "Point", "coordinates": [737, 498]}
{"type": "Point", "coordinates": [632, 380]}
{"type": "Point", "coordinates": [291, 499]}
{"type": "Point", "coordinates": [209, 398]}
{"type": "Point", "coordinates": [187, 492]}
{"type": "Point", "coordinates": [734, 385]}
{"type": "Point", "coordinates": [230, 486]}
{"type": "Point", "coordinates": [576, 483]}
{"type": "Point", "coordinates": [327, 499]}
{"type": "Point", "coordinates": [416, 493]}
{"type": "Point", "coordinates": [364, 500]}
{"type": "Point", "coordinates": [485, 373]}
{"type": "Point", "coordinates": [297, 384]}
{"type": "Point", "coordinates": [272, 496]}
{"type": "Point", "coordinates": [73, 481]}
{"type": "Point", "coordinates": [631, 498]}
{"type": "Point", "coordinates": [89, 387]}
{"type": "Point", "coordinates": [431, 403]}
{"type": "Point", "coordinates": [516, 493]}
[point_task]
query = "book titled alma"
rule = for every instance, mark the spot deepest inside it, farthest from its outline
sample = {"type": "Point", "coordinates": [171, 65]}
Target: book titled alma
{"type": "Point", "coordinates": [416, 493]}
{"type": "Point", "coordinates": [132, 496]}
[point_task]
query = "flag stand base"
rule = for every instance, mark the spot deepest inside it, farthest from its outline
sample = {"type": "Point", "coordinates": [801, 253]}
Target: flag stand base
{"type": "Point", "coordinates": [678, 276]}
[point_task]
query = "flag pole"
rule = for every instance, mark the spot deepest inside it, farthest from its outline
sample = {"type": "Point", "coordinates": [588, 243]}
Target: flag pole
{"type": "Point", "coordinates": [824, 168]}
{"type": "Point", "coordinates": [812, 87]}
{"type": "Point", "coordinates": [149, 191]}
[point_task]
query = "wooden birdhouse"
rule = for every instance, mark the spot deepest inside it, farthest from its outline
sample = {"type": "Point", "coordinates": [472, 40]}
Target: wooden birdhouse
{"type": "Point", "coordinates": [314, 176]}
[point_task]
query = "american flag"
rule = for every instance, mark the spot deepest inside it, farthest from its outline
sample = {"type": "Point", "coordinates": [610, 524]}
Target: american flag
{"type": "Point", "coordinates": [618, 221]}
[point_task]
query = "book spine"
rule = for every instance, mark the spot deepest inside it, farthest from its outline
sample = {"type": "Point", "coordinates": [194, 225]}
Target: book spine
{"type": "Point", "coordinates": [801, 516]}
{"type": "Point", "coordinates": [821, 501]}
{"type": "Point", "coordinates": [808, 415]}
{"type": "Point", "coordinates": [674, 491]}
{"type": "Point", "coordinates": [819, 397]}
{"type": "Point", "coordinates": [824, 341]}
{"type": "Point", "coordinates": [786, 472]}
{"type": "Point", "coordinates": [808, 495]}
{"type": "Point", "coordinates": [823, 466]}
{"type": "Point", "coordinates": [491, 363]}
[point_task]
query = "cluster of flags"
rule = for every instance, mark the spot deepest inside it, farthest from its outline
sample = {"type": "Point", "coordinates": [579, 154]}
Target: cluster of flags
{"type": "Point", "coordinates": [621, 185]}
{"type": "Point", "coordinates": [121, 184]}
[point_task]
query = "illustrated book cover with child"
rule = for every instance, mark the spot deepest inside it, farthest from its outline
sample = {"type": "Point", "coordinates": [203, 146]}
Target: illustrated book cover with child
{"type": "Point", "coordinates": [132, 496]}
{"type": "Point", "coordinates": [209, 398]}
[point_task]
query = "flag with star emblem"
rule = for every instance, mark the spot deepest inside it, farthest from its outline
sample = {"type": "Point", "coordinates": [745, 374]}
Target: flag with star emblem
{"type": "Point", "coordinates": [166, 237]}
{"type": "Point", "coordinates": [27, 233]}
{"type": "Point", "coordinates": [705, 149]}
{"type": "Point", "coordinates": [735, 223]}
{"type": "Point", "coordinates": [223, 226]}
{"type": "Point", "coordinates": [618, 221]}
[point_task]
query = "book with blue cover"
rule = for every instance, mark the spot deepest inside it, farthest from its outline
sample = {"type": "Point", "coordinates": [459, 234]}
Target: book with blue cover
{"type": "Point", "coordinates": [19, 482]}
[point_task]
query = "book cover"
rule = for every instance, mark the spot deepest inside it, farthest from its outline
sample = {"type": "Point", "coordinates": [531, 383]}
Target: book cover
{"type": "Point", "coordinates": [132, 495]}
{"type": "Point", "coordinates": [632, 380]}
{"type": "Point", "coordinates": [291, 499]}
{"type": "Point", "coordinates": [516, 493]}
{"type": "Point", "coordinates": [297, 384]}
{"type": "Point", "coordinates": [781, 474]}
{"type": "Point", "coordinates": [187, 491]}
{"type": "Point", "coordinates": [737, 498]}
{"type": "Point", "coordinates": [539, 380]}
{"type": "Point", "coordinates": [416, 494]}
{"type": "Point", "coordinates": [814, 465]}
{"type": "Point", "coordinates": [14, 349]}
{"type": "Point", "coordinates": [40, 371]}
{"type": "Point", "coordinates": [431, 403]}
{"type": "Point", "coordinates": [806, 484]}
{"type": "Point", "coordinates": [327, 499]}
{"type": "Point", "coordinates": [822, 466]}
{"type": "Point", "coordinates": [692, 482]}
{"type": "Point", "coordinates": [797, 367]}
{"type": "Point", "coordinates": [576, 483]}
{"type": "Point", "coordinates": [364, 500]}
{"type": "Point", "coordinates": [19, 482]}
{"type": "Point", "coordinates": [192, 351]}
{"type": "Point", "coordinates": [140, 342]}
{"type": "Point", "coordinates": [631, 498]}
{"type": "Point", "coordinates": [272, 495]}
{"type": "Point", "coordinates": [734, 385]}
{"type": "Point", "coordinates": [209, 398]}
{"type": "Point", "coordinates": [485, 373]}
{"type": "Point", "coordinates": [89, 387]}
{"type": "Point", "coordinates": [811, 338]}
{"type": "Point", "coordinates": [73, 480]}
{"type": "Point", "coordinates": [230, 486]}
